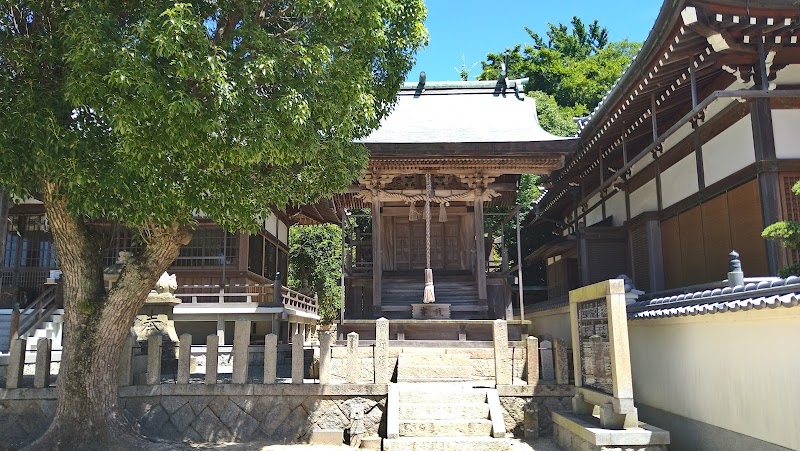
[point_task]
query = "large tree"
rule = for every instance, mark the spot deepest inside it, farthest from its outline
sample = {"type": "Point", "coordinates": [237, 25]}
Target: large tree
{"type": "Point", "coordinates": [147, 113]}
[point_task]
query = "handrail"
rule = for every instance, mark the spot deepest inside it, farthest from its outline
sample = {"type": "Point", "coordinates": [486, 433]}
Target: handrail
{"type": "Point", "coordinates": [289, 297]}
{"type": "Point", "coordinates": [39, 311]}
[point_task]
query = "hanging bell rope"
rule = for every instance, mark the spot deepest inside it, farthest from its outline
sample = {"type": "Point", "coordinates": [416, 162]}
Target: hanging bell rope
{"type": "Point", "coordinates": [428, 296]}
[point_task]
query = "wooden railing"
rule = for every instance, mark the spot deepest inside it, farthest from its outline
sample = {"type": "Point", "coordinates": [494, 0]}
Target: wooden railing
{"type": "Point", "coordinates": [37, 312]}
{"type": "Point", "coordinates": [249, 293]}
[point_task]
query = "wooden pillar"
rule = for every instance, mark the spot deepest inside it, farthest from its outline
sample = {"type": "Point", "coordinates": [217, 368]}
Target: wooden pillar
{"type": "Point", "coordinates": [480, 250]}
{"type": "Point", "coordinates": [768, 182]}
{"type": "Point", "coordinates": [3, 222]}
{"type": "Point", "coordinates": [655, 255]}
{"type": "Point", "coordinates": [377, 255]}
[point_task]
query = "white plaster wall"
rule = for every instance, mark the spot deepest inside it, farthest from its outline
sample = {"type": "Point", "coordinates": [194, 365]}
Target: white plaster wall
{"type": "Point", "coordinates": [283, 233]}
{"type": "Point", "coordinates": [729, 151]}
{"type": "Point", "coordinates": [789, 75]}
{"type": "Point", "coordinates": [596, 215]}
{"type": "Point", "coordinates": [786, 126]}
{"type": "Point", "coordinates": [553, 322]}
{"type": "Point", "coordinates": [679, 181]}
{"type": "Point", "coordinates": [644, 199]}
{"type": "Point", "coordinates": [615, 206]}
{"type": "Point", "coordinates": [739, 371]}
{"type": "Point", "coordinates": [271, 224]}
{"type": "Point", "coordinates": [641, 164]}
{"type": "Point", "coordinates": [679, 135]}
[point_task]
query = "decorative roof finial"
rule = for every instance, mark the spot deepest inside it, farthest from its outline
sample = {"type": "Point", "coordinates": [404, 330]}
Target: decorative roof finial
{"type": "Point", "coordinates": [734, 264]}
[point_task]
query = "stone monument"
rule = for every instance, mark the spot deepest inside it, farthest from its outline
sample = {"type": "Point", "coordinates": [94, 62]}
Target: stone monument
{"type": "Point", "coordinates": [603, 414]}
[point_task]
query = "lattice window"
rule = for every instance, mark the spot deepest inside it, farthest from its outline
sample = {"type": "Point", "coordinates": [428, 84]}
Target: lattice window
{"type": "Point", "coordinates": [209, 247]}
{"type": "Point", "coordinates": [791, 210]}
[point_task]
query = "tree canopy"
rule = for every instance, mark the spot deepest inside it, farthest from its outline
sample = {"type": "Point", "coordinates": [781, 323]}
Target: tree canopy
{"type": "Point", "coordinates": [147, 114]}
{"type": "Point", "coordinates": [576, 65]}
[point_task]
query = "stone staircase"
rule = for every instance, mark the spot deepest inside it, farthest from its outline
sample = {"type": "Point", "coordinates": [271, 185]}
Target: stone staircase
{"type": "Point", "coordinates": [400, 290]}
{"type": "Point", "coordinates": [52, 329]}
{"type": "Point", "coordinates": [438, 404]}
{"type": "Point", "coordinates": [444, 417]}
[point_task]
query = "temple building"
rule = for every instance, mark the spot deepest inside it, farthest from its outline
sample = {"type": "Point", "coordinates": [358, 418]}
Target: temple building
{"type": "Point", "coordinates": [473, 140]}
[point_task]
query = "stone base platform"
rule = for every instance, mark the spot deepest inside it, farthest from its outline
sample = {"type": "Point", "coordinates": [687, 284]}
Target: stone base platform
{"type": "Point", "coordinates": [583, 433]}
{"type": "Point", "coordinates": [430, 311]}
{"type": "Point", "coordinates": [417, 331]}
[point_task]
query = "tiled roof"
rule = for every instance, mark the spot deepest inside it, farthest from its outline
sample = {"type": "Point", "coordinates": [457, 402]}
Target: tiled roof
{"type": "Point", "coordinates": [461, 112]}
{"type": "Point", "coordinates": [767, 293]}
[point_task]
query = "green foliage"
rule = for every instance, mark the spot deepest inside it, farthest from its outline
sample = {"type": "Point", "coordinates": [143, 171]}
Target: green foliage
{"type": "Point", "coordinates": [315, 255]}
{"type": "Point", "coordinates": [576, 67]}
{"type": "Point", "coordinates": [147, 112]}
{"type": "Point", "coordinates": [788, 233]}
{"type": "Point", "coordinates": [553, 118]}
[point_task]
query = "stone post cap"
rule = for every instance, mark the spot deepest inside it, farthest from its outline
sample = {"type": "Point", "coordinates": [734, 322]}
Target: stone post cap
{"type": "Point", "coordinates": [352, 334]}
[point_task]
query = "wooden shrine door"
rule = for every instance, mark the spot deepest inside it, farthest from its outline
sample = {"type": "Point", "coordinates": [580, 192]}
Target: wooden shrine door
{"type": "Point", "coordinates": [446, 249]}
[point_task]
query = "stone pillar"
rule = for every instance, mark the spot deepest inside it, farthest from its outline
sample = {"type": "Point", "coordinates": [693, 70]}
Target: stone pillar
{"type": "Point", "coordinates": [221, 331]}
{"type": "Point", "coordinates": [377, 255]}
{"type": "Point", "coordinates": [212, 358]}
{"type": "Point", "coordinates": [502, 363]}
{"type": "Point", "coordinates": [352, 358]}
{"type": "Point", "coordinates": [480, 250]}
{"type": "Point", "coordinates": [270, 358]}
{"type": "Point", "coordinates": [532, 360]}
{"type": "Point", "coordinates": [16, 363]}
{"type": "Point", "coordinates": [125, 367]}
{"type": "Point", "coordinates": [325, 340]}
{"type": "Point", "coordinates": [41, 378]}
{"type": "Point", "coordinates": [241, 343]}
{"type": "Point", "coordinates": [561, 363]}
{"type": "Point", "coordinates": [184, 358]}
{"type": "Point", "coordinates": [154, 359]}
{"type": "Point", "coordinates": [381, 356]}
{"type": "Point", "coordinates": [548, 373]}
{"type": "Point", "coordinates": [297, 358]}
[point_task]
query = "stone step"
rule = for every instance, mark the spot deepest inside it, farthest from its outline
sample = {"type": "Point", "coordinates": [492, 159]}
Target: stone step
{"type": "Point", "coordinates": [438, 411]}
{"type": "Point", "coordinates": [445, 428]}
{"type": "Point", "coordinates": [434, 359]}
{"type": "Point", "coordinates": [447, 444]}
{"type": "Point", "coordinates": [412, 396]}
{"type": "Point", "coordinates": [405, 371]}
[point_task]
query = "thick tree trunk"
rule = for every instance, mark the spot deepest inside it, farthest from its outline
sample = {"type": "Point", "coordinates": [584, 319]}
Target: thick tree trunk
{"type": "Point", "coordinates": [96, 326]}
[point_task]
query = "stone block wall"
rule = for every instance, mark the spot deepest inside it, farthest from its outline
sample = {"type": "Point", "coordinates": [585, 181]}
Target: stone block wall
{"type": "Point", "coordinates": [243, 413]}
{"type": "Point", "coordinates": [281, 413]}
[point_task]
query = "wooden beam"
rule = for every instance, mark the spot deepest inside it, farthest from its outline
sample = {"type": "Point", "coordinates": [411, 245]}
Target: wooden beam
{"type": "Point", "coordinates": [480, 252]}
{"type": "Point", "coordinates": [3, 222]}
{"type": "Point", "coordinates": [377, 257]}
{"type": "Point", "coordinates": [768, 183]}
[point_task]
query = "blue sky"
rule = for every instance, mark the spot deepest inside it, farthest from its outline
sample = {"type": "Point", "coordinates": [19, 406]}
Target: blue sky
{"type": "Point", "coordinates": [474, 28]}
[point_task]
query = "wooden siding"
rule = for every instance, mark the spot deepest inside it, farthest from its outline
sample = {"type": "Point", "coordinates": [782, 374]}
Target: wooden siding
{"type": "Point", "coordinates": [696, 243]}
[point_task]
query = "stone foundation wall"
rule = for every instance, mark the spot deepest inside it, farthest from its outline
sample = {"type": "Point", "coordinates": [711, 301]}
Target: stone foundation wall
{"type": "Point", "coordinates": [215, 413]}
{"type": "Point", "coordinates": [526, 409]}
{"type": "Point", "coordinates": [280, 413]}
